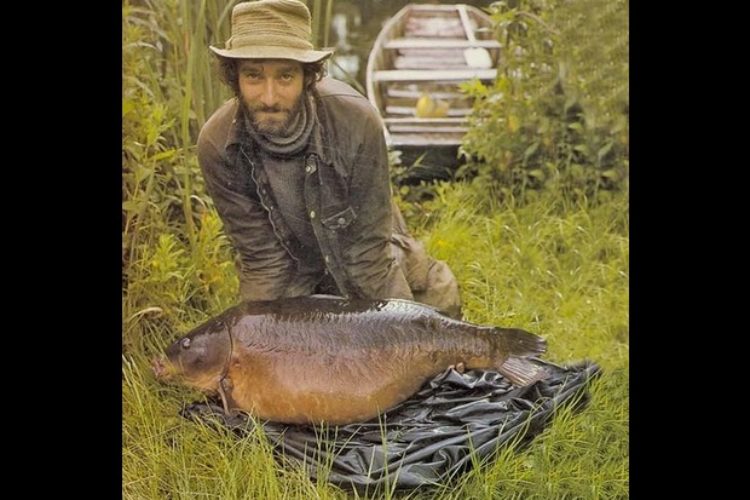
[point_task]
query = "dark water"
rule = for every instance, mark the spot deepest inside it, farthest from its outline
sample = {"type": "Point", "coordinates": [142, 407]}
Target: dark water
{"type": "Point", "coordinates": [355, 25]}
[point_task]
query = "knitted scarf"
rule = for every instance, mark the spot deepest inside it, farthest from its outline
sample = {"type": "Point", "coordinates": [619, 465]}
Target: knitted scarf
{"type": "Point", "coordinates": [300, 130]}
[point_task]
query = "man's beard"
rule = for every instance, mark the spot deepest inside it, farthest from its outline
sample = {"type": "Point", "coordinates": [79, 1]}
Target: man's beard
{"type": "Point", "coordinates": [279, 125]}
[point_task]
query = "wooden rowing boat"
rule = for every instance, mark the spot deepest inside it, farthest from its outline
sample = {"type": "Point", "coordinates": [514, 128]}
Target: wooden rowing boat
{"type": "Point", "coordinates": [415, 67]}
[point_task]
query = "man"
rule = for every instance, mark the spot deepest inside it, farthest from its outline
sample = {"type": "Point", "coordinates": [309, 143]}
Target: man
{"type": "Point", "coordinates": [297, 167]}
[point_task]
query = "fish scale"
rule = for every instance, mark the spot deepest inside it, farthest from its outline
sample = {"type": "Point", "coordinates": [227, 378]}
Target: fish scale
{"type": "Point", "coordinates": [323, 359]}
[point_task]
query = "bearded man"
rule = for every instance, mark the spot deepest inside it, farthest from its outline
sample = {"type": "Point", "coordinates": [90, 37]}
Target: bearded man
{"type": "Point", "coordinates": [297, 167]}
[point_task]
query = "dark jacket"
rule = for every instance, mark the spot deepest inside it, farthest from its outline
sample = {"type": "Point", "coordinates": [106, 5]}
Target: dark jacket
{"type": "Point", "coordinates": [347, 197]}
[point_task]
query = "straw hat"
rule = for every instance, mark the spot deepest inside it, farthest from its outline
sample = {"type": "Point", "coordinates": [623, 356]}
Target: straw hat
{"type": "Point", "coordinates": [271, 29]}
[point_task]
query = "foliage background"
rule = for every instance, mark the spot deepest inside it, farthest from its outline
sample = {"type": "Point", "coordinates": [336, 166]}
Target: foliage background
{"type": "Point", "coordinates": [557, 116]}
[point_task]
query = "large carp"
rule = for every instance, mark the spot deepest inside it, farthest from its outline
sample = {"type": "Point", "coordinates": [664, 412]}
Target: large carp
{"type": "Point", "coordinates": [323, 359]}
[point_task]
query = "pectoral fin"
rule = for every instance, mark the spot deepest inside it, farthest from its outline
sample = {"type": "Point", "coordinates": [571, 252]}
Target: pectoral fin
{"type": "Point", "coordinates": [225, 389]}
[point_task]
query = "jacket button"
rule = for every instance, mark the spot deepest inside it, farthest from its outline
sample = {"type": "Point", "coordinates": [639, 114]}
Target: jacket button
{"type": "Point", "coordinates": [327, 259]}
{"type": "Point", "coordinates": [341, 221]}
{"type": "Point", "coordinates": [312, 214]}
{"type": "Point", "coordinates": [310, 166]}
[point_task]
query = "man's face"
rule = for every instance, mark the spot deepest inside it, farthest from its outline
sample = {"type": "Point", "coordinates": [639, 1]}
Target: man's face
{"type": "Point", "coordinates": [271, 91]}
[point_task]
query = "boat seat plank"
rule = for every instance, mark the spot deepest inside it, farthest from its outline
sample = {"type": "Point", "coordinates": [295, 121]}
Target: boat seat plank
{"type": "Point", "coordinates": [408, 110]}
{"type": "Point", "coordinates": [427, 129]}
{"type": "Point", "coordinates": [432, 53]}
{"type": "Point", "coordinates": [425, 7]}
{"type": "Point", "coordinates": [416, 94]}
{"type": "Point", "coordinates": [450, 32]}
{"type": "Point", "coordinates": [400, 102]}
{"type": "Point", "coordinates": [424, 140]}
{"type": "Point", "coordinates": [414, 120]}
{"type": "Point", "coordinates": [403, 75]}
{"type": "Point", "coordinates": [429, 63]}
{"type": "Point", "coordinates": [438, 43]}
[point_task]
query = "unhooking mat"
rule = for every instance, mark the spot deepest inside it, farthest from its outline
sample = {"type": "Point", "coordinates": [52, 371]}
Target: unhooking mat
{"type": "Point", "coordinates": [428, 438]}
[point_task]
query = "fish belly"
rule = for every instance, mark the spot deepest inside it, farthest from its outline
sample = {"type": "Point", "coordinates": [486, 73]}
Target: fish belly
{"type": "Point", "coordinates": [333, 389]}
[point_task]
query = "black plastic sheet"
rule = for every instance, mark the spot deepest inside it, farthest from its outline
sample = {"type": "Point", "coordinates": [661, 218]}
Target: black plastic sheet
{"type": "Point", "coordinates": [428, 438]}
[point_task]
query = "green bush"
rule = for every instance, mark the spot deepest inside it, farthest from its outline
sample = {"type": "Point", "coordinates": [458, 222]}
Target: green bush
{"type": "Point", "coordinates": [176, 263]}
{"type": "Point", "coordinates": [557, 114]}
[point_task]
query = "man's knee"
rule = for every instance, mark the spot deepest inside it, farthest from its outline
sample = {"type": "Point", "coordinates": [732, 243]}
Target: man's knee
{"type": "Point", "coordinates": [442, 290]}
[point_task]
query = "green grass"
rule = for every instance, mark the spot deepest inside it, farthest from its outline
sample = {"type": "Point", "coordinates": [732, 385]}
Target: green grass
{"type": "Point", "coordinates": [560, 271]}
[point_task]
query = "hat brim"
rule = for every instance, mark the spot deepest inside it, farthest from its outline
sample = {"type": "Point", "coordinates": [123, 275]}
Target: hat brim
{"type": "Point", "coordinates": [273, 52]}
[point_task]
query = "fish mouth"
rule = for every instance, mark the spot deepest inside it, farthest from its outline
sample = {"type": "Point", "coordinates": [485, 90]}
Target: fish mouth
{"type": "Point", "coordinates": [160, 368]}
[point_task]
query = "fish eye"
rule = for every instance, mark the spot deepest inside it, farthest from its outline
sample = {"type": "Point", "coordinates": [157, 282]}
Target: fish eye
{"type": "Point", "coordinates": [185, 343]}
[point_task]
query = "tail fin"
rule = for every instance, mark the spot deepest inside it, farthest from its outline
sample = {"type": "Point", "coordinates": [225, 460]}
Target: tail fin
{"type": "Point", "coordinates": [521, 371]}
{"type": "Point", "coordinates": [513, 347]}
{"type": "Point", "coordinates": [517, 342]}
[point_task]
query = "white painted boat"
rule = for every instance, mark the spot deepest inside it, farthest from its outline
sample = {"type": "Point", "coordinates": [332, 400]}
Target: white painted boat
{"type": "Point", "coordinates": [416, 64]}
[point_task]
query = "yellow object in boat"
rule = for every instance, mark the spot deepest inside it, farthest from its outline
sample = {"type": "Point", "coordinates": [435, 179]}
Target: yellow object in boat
{"type": "Point", "coordinates": [427, 107]}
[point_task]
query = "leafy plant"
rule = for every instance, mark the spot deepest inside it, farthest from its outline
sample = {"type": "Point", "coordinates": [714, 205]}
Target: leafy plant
{"type": "Point", "coordinates": [174, 258]}
{"type": "Point", "coordinates": [557, 114]}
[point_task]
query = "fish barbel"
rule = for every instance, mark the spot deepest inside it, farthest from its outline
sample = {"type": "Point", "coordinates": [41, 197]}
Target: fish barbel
{"type": "Point", "coordinates": [323, 359]}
